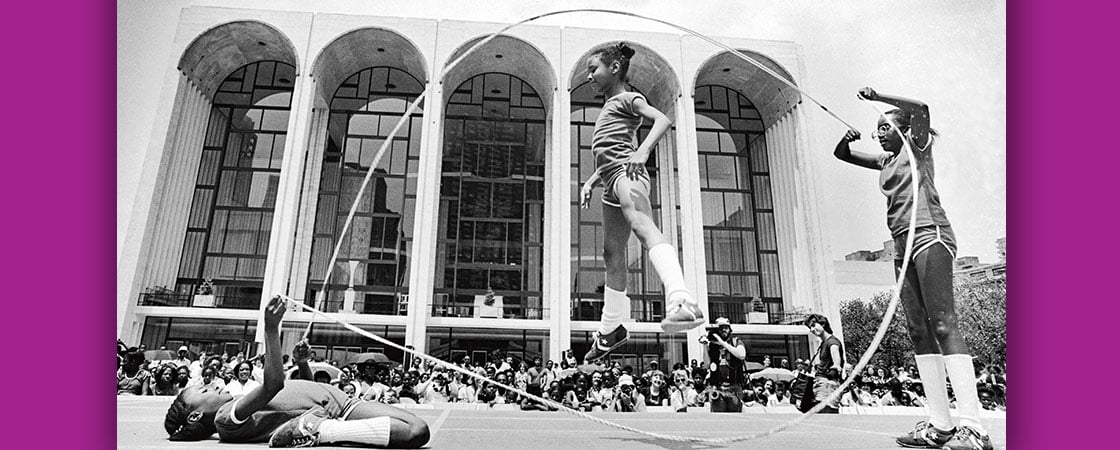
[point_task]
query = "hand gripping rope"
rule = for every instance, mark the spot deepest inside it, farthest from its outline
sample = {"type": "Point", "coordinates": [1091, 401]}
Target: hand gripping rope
{"type": "Point", "coordinates": [892, 306]}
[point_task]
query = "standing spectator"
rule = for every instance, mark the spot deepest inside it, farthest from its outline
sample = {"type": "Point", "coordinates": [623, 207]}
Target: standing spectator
{"type": "Point", "coordinates": [244, 382]}
{"type": "Point", "coordinates": [196, 365]}
{"type": "Point", "coordinates": [785, 363]}
{"type": "Point", "coordinates": [654, 367]}
{"type": "Point", "coordinates": [184, 358]}
{"type": "Point", "coordinates": [132, 379]}
{"type": "Point", "coordinates": [549, 375]}
{"type": "Point", "coordinates": [165, 382]}
{"type": "Point", "coordinates": [536, 372]}
{"type": "Point", "coordinates": [766, 361]}
{"type": "Point", "coordinates": [829, 371]}
{"type": "Point", "coordinates": [727, 353]}
{"type": "Point", "coordinates": [522, 377]}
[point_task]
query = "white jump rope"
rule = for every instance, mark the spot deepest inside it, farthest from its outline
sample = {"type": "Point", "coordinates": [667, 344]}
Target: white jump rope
{"type": "Point", "coordinates": [879, 334]}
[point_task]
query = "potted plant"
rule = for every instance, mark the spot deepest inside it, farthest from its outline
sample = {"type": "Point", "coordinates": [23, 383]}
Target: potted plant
{"type": "Point", "coordinates": [204, 295]}
{"type": "Point", "coordinates": [758, 312]}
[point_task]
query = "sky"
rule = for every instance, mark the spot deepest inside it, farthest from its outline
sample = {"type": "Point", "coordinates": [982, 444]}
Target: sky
{"type": "Point", "coordinates": [952, 57]}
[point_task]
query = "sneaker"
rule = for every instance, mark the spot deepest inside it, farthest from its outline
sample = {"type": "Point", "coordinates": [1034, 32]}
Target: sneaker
{"type": "Point", "coordinates": [605, 344]}
{"type": "Point", "coordinates": [682, 314]}
{"type": "Point", "coordinates": [925, 436]}
{"type": "Point", "coordinates": [302, 431]}
{"type": "Point", "coordinates": [968, 438]}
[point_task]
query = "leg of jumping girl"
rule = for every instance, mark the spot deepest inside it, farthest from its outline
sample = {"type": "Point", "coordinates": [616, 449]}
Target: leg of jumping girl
{"type": "Point", "coordinates": [681, 311]}
{"type": "Point", "coordinates": [935, 268]}
{"type": "Point", "coordinates": [938, 429]}
{"type": "Point", "coordinates": [616, 305]}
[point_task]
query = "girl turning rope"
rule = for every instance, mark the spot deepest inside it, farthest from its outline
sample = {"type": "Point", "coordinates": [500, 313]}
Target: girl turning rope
{"type": "Point", "coordinates": [927, 293]}
{"type": "Point", "coordinates": [620, 162]}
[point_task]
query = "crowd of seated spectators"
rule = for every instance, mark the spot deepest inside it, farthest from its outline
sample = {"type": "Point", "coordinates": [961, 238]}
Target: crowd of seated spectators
{"type": "Point", "coordinates": [607, 387]}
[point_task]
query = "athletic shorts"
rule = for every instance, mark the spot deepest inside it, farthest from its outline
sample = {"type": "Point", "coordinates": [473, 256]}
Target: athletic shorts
{"type": "Point", "coordinates": [926, 237]}
{"type": "Point", "coordinates": [610, 198]}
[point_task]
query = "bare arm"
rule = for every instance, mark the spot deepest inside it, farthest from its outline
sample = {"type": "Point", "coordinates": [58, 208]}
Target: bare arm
{"type": "Point", "coordinates": [585, 191]}
{"type": "Point", "coordinates": [739, 351]}
{"type": "Point", "coordinates": [844, 152]}
{"type": "Point", "coordinates": [273, 367]}
{"type": "Point", "coordinates": [302, 354]}
{"type": "Point", "coordinates": [661, 124]}
{"type": "Point", "coordinates": [918, 112]}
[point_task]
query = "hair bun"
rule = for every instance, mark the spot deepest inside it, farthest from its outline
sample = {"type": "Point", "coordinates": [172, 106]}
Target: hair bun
{"type": "Point", "coordinates": [625, 50]}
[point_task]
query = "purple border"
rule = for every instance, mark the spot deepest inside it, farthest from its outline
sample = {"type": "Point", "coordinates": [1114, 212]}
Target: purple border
{"type": "Point", "coordinates": [63, 234]}
{"type": "Point", "coordinates": [60, 196]}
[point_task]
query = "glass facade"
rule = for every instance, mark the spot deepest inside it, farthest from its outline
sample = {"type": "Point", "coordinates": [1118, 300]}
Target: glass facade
{"type": "Point", "coordinates": [740, 242]}
{"type": "Point", "coordinates": [588, 269]}
{"type": "Point", "coordinates": [373, 258]}
{"type": "Point", "coordinates": [482, 344]}
{"type": "Point", "coordinates": [491, 203]}
{"type": "Point", "coordinates": [235, 191]}
{"type": "Point", "coordinates": [642, 348]}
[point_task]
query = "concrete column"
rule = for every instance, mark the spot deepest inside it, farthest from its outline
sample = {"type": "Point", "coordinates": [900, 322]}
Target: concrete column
{"type": "Point", "coordinates": [281, 239]}
{"type": "Point", "coordinates": [559, 179]}
{"type": "Point", "coordinates": [135, 254]}
{"type": "Point", "coordinates": [309, 204]}
{"type": "Point", "coordinates": [424, 228]}
{"type": "Point", "coordinates": [692, 222]}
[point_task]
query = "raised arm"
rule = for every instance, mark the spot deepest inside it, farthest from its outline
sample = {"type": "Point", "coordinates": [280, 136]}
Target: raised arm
{"type": "Point", "coordinates": [273, 367]}
{"type": "Point", "coordinates": [301, 354]}
{"type": "Point", "coordinates": [844, 152]}
{"type": "Point", "coordinates": [918, 112]}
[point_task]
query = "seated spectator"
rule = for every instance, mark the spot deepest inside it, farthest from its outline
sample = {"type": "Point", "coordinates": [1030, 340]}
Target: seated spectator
{"type": "Point", "coordinates": [656, 394]}
{"type": "Point", "coordinates": [682, 394]}
{"type": "Point", "coordinates": [183, 376]}
{"type": "Point", "coordinates": [434, 390]}
{"type": "Point", "coordinates": [468, 390]}
{"type": "Point", "coordinates": [132, 379]}
{"type": "Point", "coordinates": [628, 398]}
{"type": "Point", "coordinates": [528, 404]}
{"type": "Point", "coordinates": [165, 381]}
{"type": "Point", "coordinates": [244, 383]}
{"type": "Point", "coordinates": [209, 380]}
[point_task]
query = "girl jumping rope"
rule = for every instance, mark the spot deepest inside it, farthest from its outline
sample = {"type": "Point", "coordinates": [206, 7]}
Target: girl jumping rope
{"type": "Point", "coordinates": [927, 292]}
{"type": "Point", "coordinates": [620, 168]}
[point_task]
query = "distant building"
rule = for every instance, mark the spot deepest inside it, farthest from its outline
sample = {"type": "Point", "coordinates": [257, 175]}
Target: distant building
{"type": "Point", "coordinates": [965, 263]}
{"type": "Point", "coordinates": [884, 255]}
{"type": "Point", "coordinates": [1001, 249]}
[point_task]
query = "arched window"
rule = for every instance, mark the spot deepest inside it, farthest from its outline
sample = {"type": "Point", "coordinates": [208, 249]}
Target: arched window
{"type": "Point", "coordinates": [235, 191]}
{"type": "Point", "coordinates": [491, 209]}
{"type": "Point", "coordinates": [373, 260]}
{"type": "Point", "coordinates": [740, 242]}
{"type": "Point", "coordinates": [588, 270]}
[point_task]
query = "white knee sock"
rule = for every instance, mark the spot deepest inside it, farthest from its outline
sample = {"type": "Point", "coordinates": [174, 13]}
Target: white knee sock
{"type": "Point", "coordinates": [932, 370]}
{"type": "Point", "coordinates": [963, 377]}
{"type": "Point", "coordinates": [373, 431]}
{"type": "Point", "coordinates": [664, 260]}
{"type": "Point", "coordinates": [616, 308]}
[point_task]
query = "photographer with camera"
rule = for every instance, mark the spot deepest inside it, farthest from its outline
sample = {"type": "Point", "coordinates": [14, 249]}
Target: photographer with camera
{"type": "Point", "coordinates": [726, 354]}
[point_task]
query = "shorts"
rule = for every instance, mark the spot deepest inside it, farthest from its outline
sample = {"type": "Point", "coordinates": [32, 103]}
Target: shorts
{"type": "Point", "coordinates": [926, 237]}
{"type": "Point", "coordinates": [610, 198]}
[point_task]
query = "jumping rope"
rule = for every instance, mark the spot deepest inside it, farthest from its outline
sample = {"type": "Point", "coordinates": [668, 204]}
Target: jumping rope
{"type": "Point", "coordinates": [879, 334]}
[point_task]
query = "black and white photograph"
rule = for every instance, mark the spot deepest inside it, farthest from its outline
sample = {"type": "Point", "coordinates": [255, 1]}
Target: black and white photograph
{"type": "Point", "coordinates": [561, 224]}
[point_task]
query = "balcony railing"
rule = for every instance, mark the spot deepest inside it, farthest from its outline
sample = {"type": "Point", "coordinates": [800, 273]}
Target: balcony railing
{"type": "Point", "coordinates": [192, 301]}
{"type": "Point", "coordinates": [508, 311]}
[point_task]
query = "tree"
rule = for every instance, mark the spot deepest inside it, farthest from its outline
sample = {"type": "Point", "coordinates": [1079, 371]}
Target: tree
{"type": "Point", "coordinates": [861, 320]}
{"type": "Point", "coordinates": [981, 310]}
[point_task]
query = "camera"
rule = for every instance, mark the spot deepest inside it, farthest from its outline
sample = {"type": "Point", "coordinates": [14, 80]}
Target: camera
{"type": "Point", "coordinates": [713, 331]}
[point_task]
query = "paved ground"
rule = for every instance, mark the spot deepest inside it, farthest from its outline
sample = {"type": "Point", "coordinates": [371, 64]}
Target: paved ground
{"type": "Point", "coordinates": [140, 425]}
